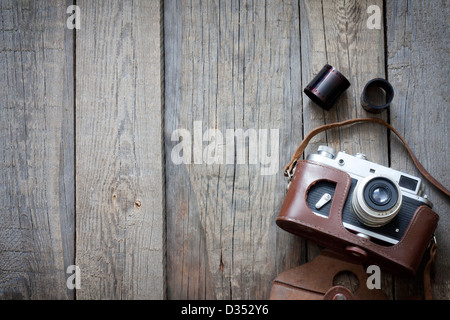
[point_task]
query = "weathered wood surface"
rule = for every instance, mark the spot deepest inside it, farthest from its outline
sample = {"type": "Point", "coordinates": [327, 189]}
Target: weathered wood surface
{"type": "Point", "coordinates": [37, 150]}
{"type": "Point", "coordinates": [335, 32]}
{"type": "Point", "coordinates": [119, 159]}
{"type": "Point", "coordinates": [239, 66]}
{"type": "Point", "coordinates": [90, 177]}
{"type": "Point", "coordinates": [418, 68]}
{"type": "Point", "coordinates": [212, 81]}
{"type": "Point", "coordinates": [229, 65]}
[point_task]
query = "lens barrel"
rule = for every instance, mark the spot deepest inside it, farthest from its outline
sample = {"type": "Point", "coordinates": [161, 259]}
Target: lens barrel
{"type": "Point", "coordinates": [376, 200]}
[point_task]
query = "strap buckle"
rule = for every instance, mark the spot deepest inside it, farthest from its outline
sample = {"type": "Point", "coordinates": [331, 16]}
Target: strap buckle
{"type": "Point", "coordinates": [290, 174]}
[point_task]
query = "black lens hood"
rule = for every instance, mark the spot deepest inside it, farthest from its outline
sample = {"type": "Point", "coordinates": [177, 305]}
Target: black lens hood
{"type": "Point", "coordinates": [377, 83]}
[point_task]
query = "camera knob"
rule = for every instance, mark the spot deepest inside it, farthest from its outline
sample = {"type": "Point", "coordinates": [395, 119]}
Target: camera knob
{"type": "Point", "coordinates": [326, 151]}
{"type": "Point", "coordinates": [361, 156]}
{"type": "Point", "coordinates": [357, 252]}
{"type": "Point", "coordinates": [338, 293]}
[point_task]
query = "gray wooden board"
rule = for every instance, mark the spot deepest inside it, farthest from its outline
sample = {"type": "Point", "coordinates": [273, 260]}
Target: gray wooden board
{"type": "Point", "coordinates": [36, 154]}
{"type": "Point", "coordinates": [418, 67]}
{"type": "Point", "coordinates": [229, 65]}
{"type": "Point", "coordinates": [119, 164]}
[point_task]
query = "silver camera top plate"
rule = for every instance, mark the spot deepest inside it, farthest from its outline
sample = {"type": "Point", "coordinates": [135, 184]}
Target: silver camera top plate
{"type": "Point", "coordinates": [358, 167]}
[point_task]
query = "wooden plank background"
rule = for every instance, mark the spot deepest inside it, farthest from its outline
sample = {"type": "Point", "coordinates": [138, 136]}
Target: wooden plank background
{"type": "Point", "coordinates": [91, 122]}
{"type": "Point", "coordinates": [37, 150]}
{"type": "Point", "coordinates": [418, 58]}
{"type": "Point", "coordinates": [119, 173]}
{"type": "Point", "coordinates": [235, 67]}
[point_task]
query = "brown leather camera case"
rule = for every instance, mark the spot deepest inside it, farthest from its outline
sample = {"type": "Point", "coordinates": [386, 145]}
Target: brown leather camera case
{"type": "Point", "coordinates": [296, 217]}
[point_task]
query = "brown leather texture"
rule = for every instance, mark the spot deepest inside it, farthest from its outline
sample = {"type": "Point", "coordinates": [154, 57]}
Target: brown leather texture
{"type": "Point", "coordinates": [315, 281]}
{"type": "Point", "coordinates": [296, 217]}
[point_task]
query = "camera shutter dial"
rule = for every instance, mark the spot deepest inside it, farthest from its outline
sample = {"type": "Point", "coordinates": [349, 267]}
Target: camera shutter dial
{"type": "Point", "coordinates": [326, 152]}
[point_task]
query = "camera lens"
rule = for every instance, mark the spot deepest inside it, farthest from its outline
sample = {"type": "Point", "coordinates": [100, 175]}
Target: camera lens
{"type": "Point", "coordinates": [380, 195]}
{"type": "Point", "coordinates": [376, 200]}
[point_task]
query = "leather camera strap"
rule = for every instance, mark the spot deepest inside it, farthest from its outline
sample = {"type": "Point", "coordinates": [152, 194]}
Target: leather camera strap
{"type": "Point", "coordinates": [298, 153]}
{"type": "Point", "coordinates": [301, 148]}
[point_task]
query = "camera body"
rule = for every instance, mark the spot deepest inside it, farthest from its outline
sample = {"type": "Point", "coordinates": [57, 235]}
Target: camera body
{"type": "Point", "coordinates": [363, 211]}
{"type": "Point", "coordinates": [381, 201]}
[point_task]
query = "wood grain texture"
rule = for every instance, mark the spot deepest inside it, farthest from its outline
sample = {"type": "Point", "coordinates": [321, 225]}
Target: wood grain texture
{"type": "Point", "coordinates": [119, 159]}
{"type": "Point", "coordinates": [336, 32]}
{"type": "Point", "coordinates": [36, 154]}
{"type": "Point", "coordinates": [86, 178]}
{"type": "Point", "coordinates": [418, 65]}
{"type": "Point", "coordinates": [229, 65]}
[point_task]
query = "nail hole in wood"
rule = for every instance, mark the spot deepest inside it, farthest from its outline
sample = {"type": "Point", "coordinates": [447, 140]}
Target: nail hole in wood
{"type": "Point", "coordinates": [137, 204]}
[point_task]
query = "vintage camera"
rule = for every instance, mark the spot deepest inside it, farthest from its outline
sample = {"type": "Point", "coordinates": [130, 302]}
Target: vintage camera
{"type": "Point", "coordinates": [359, 209]}
{"type": "Point", "coordinates": [381, 201]}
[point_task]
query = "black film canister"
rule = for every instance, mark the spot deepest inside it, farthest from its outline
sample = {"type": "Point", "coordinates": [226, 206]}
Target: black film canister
{"type": "Point", "coordinates": [326, 86]}
{"type": "Point", "coordinates": [372, 93]}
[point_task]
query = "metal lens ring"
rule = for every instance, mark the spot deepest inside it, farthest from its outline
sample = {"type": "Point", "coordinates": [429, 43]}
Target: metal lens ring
{"type": "Point", "coordinates": [376, 200]}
